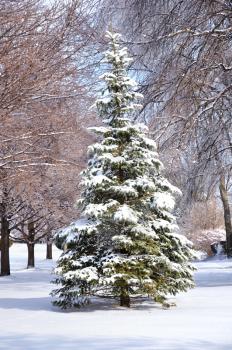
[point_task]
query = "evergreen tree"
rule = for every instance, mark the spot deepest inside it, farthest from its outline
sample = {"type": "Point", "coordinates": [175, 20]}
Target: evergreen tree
{"type": "Point", "coordinates": [126, 243]}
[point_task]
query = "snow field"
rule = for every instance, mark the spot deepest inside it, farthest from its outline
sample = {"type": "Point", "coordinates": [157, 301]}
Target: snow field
{"type": "Point", "coordinates": [201, 320]}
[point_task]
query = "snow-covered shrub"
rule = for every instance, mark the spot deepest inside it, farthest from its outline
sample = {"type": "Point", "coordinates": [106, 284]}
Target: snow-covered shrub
{"type": "Point", "coordinates": [205, 215]}
{"type": "Point", "coordinates": [127, 242]}
{"type": "Point", "coordinates": [202, 240]}
{"type": "Point", "coordinates": [200, 255]}
{"type": "Point", "coordinates": [203, 223]}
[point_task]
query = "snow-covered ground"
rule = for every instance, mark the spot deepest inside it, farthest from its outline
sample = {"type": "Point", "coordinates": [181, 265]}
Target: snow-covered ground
{"type": "Point", "coordinates": [201, 321]}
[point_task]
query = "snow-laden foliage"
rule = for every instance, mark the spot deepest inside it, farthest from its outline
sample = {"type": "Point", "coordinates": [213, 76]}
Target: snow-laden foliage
{"type": "Point", "coordinates": [126, 242]}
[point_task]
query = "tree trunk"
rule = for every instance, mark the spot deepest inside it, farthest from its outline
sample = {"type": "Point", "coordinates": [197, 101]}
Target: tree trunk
{"type": "Point", "coordinates": [49, 251]}
{"type": "Point", "coordinates": [124, 297]}
{"type": "Point", "coordinates": [227, 215]}
{"type": "Point", "coordinates": [31, 255]}
{"type": "Point", "coordinates": [31, 245]}
{"type": "Point", "coordinates": [5, 247]}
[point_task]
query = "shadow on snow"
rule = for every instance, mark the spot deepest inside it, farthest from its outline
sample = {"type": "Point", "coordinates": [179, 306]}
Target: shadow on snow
{"type": "Point", "coordinates": [35, 342]}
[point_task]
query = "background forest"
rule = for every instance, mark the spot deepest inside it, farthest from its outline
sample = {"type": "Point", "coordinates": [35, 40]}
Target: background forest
{"type": "Point", "coordinates": [50, 60]}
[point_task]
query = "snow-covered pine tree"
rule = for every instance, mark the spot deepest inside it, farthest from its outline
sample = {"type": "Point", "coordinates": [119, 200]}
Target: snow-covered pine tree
{"type": "Point", "coordinates": [126, 243]}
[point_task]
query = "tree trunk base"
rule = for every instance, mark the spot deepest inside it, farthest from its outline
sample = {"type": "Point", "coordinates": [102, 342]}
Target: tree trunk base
{"type": "Point", "coordinates": [125, 300]}
{"type": "Point", "coordinates": [49, 251]}
{"type": "Point", "coordinates": [31, 256]}
{"type": "Point", "coordinates": [5, 247]}
{"type": "Point", "coordinates": [30, 267]}
{"type": "Point", "coordinates": [7, 273]}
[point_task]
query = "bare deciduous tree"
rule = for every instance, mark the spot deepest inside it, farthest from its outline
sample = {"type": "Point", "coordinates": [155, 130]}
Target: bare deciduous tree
{"type": "Point", "coordinates": [44, 86]}
{"type": "Point", "coordinates": [183, 58]}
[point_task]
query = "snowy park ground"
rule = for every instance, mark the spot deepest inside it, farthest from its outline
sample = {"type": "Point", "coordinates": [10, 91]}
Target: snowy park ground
{"type": "Point", "coordinates": [201, 320]}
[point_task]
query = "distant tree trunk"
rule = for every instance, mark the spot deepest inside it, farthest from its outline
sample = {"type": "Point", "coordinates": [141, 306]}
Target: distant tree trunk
{"type": "Point", "coordinates": [31, 255]}
{"type": "Point", "coordinates": [49, 250]}
{"type": "Point", "coordinates": [5, 247]}
{"type": "Point", "coordinates": [227, 215]}
{"type": "Point", "coordinates": [31, 246]}
{"type": "Point", "coordinates": [124, 297]}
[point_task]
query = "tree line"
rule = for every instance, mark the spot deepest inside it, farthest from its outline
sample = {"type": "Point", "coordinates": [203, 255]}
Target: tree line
{"type": "Point", "coordinates": [45, 70]}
